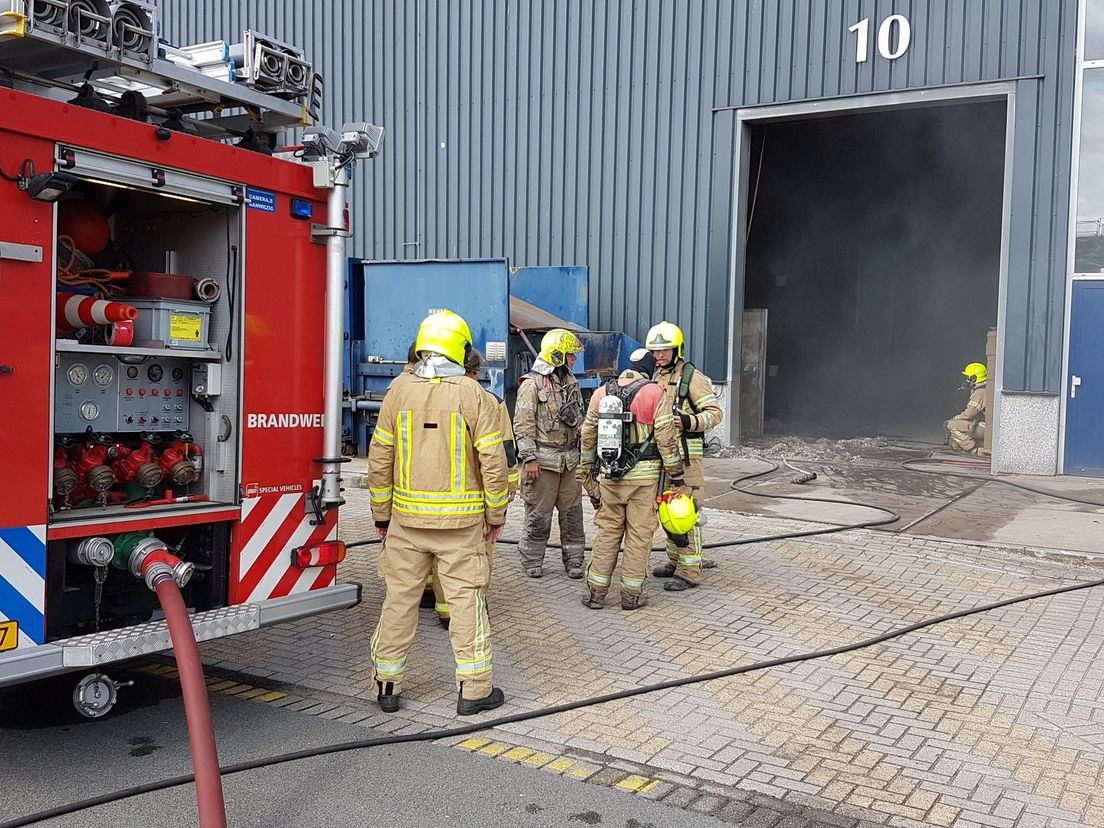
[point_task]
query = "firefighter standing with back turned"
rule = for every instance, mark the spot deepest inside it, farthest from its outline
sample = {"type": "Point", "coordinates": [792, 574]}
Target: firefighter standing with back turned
{"type": "Point", "coordinates": [438, 483]}
{"type": "Point", "coordinates": [549, 411]}
{"type": "Point", "coordinates": [689, 395]}
{"type": "Point", "coordinates": [627, 445]}
{"type": "Point", "coordinates": [473, 364]}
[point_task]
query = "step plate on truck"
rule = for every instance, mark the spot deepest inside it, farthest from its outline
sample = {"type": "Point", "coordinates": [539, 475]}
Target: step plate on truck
{"type": "Point", "coordinates": [153, 637]}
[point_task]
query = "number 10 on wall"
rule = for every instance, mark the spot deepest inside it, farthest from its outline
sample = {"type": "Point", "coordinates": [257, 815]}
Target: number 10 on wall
{"type": "Point", "coordinates": [894, 28]}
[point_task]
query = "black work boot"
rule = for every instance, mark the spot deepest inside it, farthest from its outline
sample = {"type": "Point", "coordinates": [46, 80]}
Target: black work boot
{"type": "Point", "coordinates": [387, 697]}
{"type": "Point", "coordinates": [631, 600]}
{"type": "Point", "coordinates": [574, 570]}
{"type": "Point", "coordinates": [663, 570]}
{"type": "Point", "coordinates": [469, 707]}
{"type": "Point", "coordinates": [678, 584]}
{"type": "Point", "coordinates": [444, 622]}
{"type": "Point", "coordinates": [709, 563]}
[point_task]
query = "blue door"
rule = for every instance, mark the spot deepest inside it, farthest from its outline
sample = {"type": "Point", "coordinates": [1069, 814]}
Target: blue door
{"type": "Point", "coordinates": [1085, 382]}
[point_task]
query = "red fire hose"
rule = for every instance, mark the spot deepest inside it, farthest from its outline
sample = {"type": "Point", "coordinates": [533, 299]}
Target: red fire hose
{"type": "Point", "coordinates": [197, 707]}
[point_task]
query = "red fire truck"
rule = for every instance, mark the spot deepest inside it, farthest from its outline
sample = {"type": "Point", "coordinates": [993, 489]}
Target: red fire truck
{"type": "Point", "coordinates": [170, 337]}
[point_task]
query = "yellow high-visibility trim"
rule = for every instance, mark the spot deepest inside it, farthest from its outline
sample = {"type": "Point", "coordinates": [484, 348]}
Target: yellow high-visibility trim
{"type": "Point", "coordinates": [444, 497]}
{"type": "Point", "coordinates": [419, 509]}
{"type": "Point", "coordinates": [380, 495]}
{"type": "Point", "coordinates": [496, 499]}
{"type": "Point", "coordinates": [405, 448]}
{"type": "Point", "coordinates": [456, 451]}
{"type": "Point", "coordinates": [390, 668]}
{"type": "Point", "coordinates": [492, 439]}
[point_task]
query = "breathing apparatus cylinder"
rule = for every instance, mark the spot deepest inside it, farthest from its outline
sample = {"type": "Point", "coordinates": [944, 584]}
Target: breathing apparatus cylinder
{"type": "Point", "coordinates": [612, 421]}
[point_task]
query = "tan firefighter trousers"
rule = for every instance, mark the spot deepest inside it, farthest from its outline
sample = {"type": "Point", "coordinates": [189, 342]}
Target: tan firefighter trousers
{"type": "Point", "coordinates": [688, 559]}
{"type": "Point", "coordinates": [965, 435]}
{"type": "Point", "coordinates": [559, 491]}
{"type": "Point", "coordinates": [463, 571]}
{"type": "Point", "coordinates": [440, 605]}
{"type": "Point", "coordinates": [627, 515]}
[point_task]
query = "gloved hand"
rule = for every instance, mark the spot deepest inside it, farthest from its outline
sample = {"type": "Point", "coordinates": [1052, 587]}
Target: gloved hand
{"type": "Point", "coordinates": [679, 487]}
{"type": "Point", "coordinates": [586, 478]}
{"type": "Point", "coordinates": [683, 418]}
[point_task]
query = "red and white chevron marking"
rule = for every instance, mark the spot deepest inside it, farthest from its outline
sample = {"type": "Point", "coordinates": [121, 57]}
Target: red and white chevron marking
{"type": "Point", "coordinates": [271, 526]}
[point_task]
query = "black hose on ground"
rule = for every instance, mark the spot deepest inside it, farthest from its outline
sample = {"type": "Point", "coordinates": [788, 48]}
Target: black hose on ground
{"type": "Point", "coordinates": [913, 465]}
{"type": "Point", "coordinates": [890, 517]}
{"type": "Point", "coordinates": [464, 730]}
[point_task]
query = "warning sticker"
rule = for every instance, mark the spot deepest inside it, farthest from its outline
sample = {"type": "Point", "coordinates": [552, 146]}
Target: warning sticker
{"type": "Point", "coordinates": [185, 327]}
{"type": "Point", "coordinates": [9, 635]}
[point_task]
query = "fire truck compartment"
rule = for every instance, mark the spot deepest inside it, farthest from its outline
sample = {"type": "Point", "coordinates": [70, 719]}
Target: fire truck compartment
{"type": "Point", "coordinates": [147, 418]}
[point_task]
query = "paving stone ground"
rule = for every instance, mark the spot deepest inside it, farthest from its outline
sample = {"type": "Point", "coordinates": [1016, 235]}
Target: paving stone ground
{"type": "Point", "coordinates": [990, 720]}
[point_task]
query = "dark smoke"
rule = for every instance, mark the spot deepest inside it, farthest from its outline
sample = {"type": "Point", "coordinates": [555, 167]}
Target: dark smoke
{"type": "Point", "coordinates": [875, 247]}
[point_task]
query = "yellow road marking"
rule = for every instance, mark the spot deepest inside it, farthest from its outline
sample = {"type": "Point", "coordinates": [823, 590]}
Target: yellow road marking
{"type": "Point", "coordinates": [474, 743]}
{"type": "Point", "coordinates": [633, 783]}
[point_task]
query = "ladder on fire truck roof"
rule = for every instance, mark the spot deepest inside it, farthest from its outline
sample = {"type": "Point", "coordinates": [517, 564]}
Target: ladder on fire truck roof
{"type": "Point", "coordinates": [58, 47]}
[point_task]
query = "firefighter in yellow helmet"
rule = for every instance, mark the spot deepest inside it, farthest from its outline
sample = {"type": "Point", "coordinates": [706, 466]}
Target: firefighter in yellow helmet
{"type": "Point", "coordinates": [473, 364]}
{"type": "Point", "coordinates": [689, 396]}
{"type": "Point", "coordinates": [622, 461]}
{"type": "Point", "coordinates": [966, 430]}
{"type": "Point", "coordinates": [547, 417]}
{"type": "Point", "coordinates": [437, 479]}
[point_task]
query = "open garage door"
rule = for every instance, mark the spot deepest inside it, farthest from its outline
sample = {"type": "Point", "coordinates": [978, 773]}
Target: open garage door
{"type": "Point", "coordinates": [873, 245]}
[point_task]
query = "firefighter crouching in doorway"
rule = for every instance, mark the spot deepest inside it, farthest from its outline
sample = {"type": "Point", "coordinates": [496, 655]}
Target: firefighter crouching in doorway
{"type": "Point", "coordinates": [548, 414]}
{"type": "Point", "coordinates": [966, 431]}
{"type": "Point", "coordinates": [438, 483]}
{"type": "Point", "coordinates": [625, 446]}
{"type": "Point", "coordinates": [473, 364]}
{"type": "Point", "coordinates": [689, 395]}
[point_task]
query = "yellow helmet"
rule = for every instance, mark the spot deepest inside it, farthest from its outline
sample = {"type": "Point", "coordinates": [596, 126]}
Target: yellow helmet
{"type": "Point", "coordinates": [557, 344]}
{"type": "Point", "coordinates": [445, 333]}
{"type": "Point", "coordinates": [663, 336]}
{"type": "Point", "coordinates": [678, 515]}
{"type": "Point", "coordinates": [976, 373]}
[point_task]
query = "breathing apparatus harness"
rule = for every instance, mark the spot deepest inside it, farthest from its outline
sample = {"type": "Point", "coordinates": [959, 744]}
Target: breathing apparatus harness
{"type": "Point", "coordinates": [617, 454]}
{"type": "Point", "coordinates": [682, 401]}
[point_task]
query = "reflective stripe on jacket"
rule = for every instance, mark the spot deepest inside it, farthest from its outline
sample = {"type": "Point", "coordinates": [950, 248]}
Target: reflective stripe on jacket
{"type": "Point", "coordinates": [436, 458]}
{"type": "Point", "coordinates": [702, 404]}
{"type": "Point", "coordinates": [650, 416]}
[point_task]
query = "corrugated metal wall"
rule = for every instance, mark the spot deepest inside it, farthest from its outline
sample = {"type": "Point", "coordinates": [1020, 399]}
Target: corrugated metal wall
{"type": "Point", "coordinates": [584, 131]}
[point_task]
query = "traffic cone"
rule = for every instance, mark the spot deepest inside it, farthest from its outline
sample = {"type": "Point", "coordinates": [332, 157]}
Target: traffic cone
{"type": "Point", "coordinates": [77, 311]}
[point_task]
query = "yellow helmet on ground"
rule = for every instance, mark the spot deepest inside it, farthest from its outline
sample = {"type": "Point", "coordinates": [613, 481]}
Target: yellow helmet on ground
{"type": "Point", "coordinates": [445, 333]}
{"type": "Point", "coordinates": [557, 344]}
{"type": "Point", "coordinates": [677, 515]}
{"type": "Point", "coordinates": [663, 336]}
{"type": "Point", "coordinates": [976, 373]}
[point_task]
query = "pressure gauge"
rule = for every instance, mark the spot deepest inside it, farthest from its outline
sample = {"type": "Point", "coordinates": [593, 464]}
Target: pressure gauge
{"type": "Point", "coordinates": [155, 372]}
{"type": "Point", "coordinates": [103, 375]}
{"type": "Point", "coordinates": [77, 374]}
{"type": "Point", "coordinates": [89, 410]}
{"type": "Point", "coordinates": [132, 371]}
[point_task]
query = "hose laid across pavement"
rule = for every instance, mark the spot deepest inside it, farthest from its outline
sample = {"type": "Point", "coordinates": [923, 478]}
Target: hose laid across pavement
{"type": "Point", "coordinates": [465, 730]}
